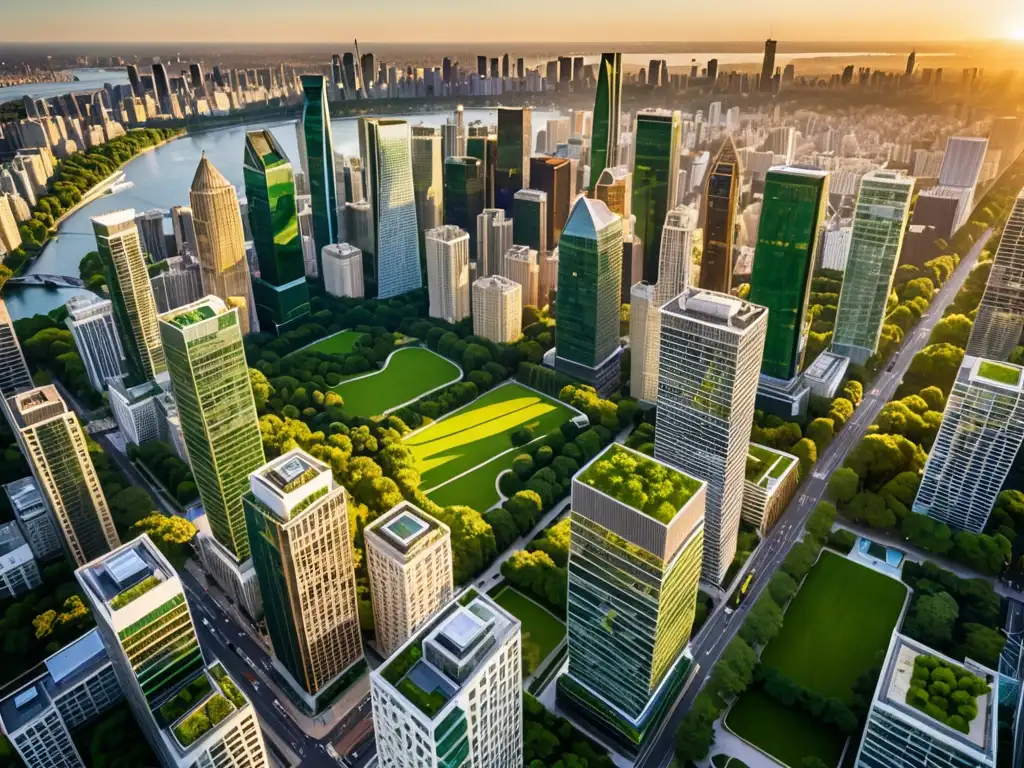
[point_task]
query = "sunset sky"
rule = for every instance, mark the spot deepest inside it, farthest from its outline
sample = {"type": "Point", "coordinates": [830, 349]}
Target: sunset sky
{"type": "Point", "coordinates": [425, 21]}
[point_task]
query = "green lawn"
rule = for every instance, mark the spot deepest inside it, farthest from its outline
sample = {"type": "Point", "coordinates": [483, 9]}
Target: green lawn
{"type": "Point", "coordinates": [475, 433]}
{"type": "Point", "coordinates": [544, 629]}
{"type": "Point", "coordinates": [786, 734]}
{"type": "Point", "coordinates": [409, 374]}
{"type": "Point", "coordinates": [340, 343]}
{"type": "Point", "coordinates": [479, 488]}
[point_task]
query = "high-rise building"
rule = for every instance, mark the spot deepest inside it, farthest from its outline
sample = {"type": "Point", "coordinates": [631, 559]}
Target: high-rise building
{"type": "Point", "coordinates": [627, 635]}
{"type": "Point", "coordinates": [530, 223]}
{"type": "Point", "coordinates": [497, 309]}
{"type": "Point", "coordinates": [464, 196]}
{"type": "Point", "coordinates": [515, 140]}
{"type": "Point", "coordinates": [710, 355]}
{"type": "Point", "coordinates": [721, 196]}
{"type": "Point", "coordinates": [117, 240]}
{"type": "Point", "coordinates": [484, 148]}
{"type": "Point", "coordinates": [34, 518]}
{"type": "Point", "coordinates": [384, 146]}
{"type": "Point", "coordinates": [220, 239]}
{"type": "Point", "coordinates": [10, 237]}
{"type": "Point", "coordinates": [521, 265]}
{"type": "Point", "coordinates": [589, 295]}
{"type": "Point", "coordinates": [553, 176]}
{"type": "Point", "coordinates": [343, 270]}
{"type": "Point", "coordinates": [280, 293]}
{"type": "Point", "coordinates": [409, 557]}
{"type": "Point", "coordinates": [191, 712]}
{"type": "Point", "coordinates": [604, 143]}
{"type": "Point", "coordinates": [14, 373]}
{"type": "Point", "coordinates": [448, 273]}
{"type": "Point", "coordinates": [982, 429]}
{"type": "Point", "coordinates": [768, 67]}
{"type": "Point", "coordinates": [316, 130]}
{"type": "Point", "coordinates": [494, 236]}
{"type": "Point", "coordinates": [54, 446]}
{"type": "Point", "coordinates": [427, 180]}
{"type": "Point", "coordinates": [467, 663]}
{"type": "Point", "coordinates": [162, 88]}
{"type": "Point", "coordinates": [151, 233]}
{"type": "Point", "coordinates": [879, 220]}
{"type": "Point", "coordinates": [962, 162]}
{"type": "Point", "coordinates": [656, 137]}
{"type": "Point", "coordinates": [297, 518]}
{"type": "Point", "coordinates": [1001, 312]}
{"type": "Point", "coordinates": [206, 362]}
{"type": "Point", "coordinates": [615, 189]}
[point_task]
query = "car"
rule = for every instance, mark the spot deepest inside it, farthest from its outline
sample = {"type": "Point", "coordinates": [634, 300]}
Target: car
{"type": "Point", "coordinates": [205, 622]}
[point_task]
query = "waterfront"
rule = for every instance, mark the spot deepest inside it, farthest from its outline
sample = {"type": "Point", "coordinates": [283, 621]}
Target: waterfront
{"type": "Point", "coordinates": [88, 79]}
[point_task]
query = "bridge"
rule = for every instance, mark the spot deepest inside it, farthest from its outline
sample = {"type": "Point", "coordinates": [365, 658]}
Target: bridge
{"type": "Point", "coordinates": [49, 281]}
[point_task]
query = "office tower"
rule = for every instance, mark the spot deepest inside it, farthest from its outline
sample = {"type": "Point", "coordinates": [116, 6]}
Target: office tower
{"type": "Point", "coordinates": [982, 430]}
{"type": "Point", "coordinates": [448, 272]}
{"type": "Point", "coordinates": [721, 195]}
{"type": "Point", "coordinates": [179, 284]}
{"type": "Point", "coordinates": [220, 239]}
{"type": "Point", "coordinates": [710, 357]}
{"type": "Point", "coordinates": [207, 366]}
{"type": "Point", "coordinates": [614, 187]}
{"type": "Point", "coordinates": [135, 411]}
{"type": "Point", "coordinates": [494, 236]}
{"type": "Point", "coordinates": [280, 293]}
{"type": "Point", "coordinates": [791, 216]}
{"type": "Point", "coordinates": [34, 518]}
{"type": "Point", "coordinates": [316, 130]}
{"type": "Point", "coordinates": [162, 88]}
{"type": "Point", "coordinates": [589, 295]}
{"type": "Point", "coordinates": [467, 663]}
{"type": "Point", "coordinates": [768, 66]}
{"type": "Point", "coordinates": [19, 572]}
{"type": "Point", "coordinates": [184, 228]}
{"type": "Point", "coordinates": [195, 72]}
{"type": "Point", "coordinates": [485, 148]}
{"type": "Point", "coordinates": [464, 195]}
{"type": "Point", "coordinates": [657, 136]}
{"type": "Point", "coordinates": [366, 65]}
{"type": "Point", "coordinates": [14, 373]}
{"type": "Point", "coordinates": [604, 143]}
{"type": "Point", "coordinates": [497, 309]}
{"type": "Point", "coordinates": [10, 237]}
{"type": "Point", "coordinates": [879, 219]}
{"type": "Point", "coordinates": [898, 733]}
{"type": "Point", "coordinates": [384, 146]}
{"type": "Point", "coordinates": [136, 83]}
{"type": "Point", "coordinates": [409, 557]}
{"type": "Point", "coordinates": [1000, 319]}
{"type": "Point", "coordinates": [343, 270]}
{"type": "Point", "coordinates": [553, 176]}
{"type": "Point", "coordinates": [151, 231]}
{"type": "Point", "coordinates": [627, 633]}
{"type": "Point", "coordinates": [54, 447]}
{"type": "Point", "coordinates": [1005, 137]}
{"type": "Point", "coordinates": [961, 164]}
{"type": "Point", "coordinates": [494, 67]}
{"type": "Point", "coordinates": [520, 265]}
{"type": "Point", "coordinates": [336, 71]}
{"type": "Point", "coordinates": [192, 713]}
{"type": "Point", "coordinates": [427, 180]}
{"type": "Point", "coordinates": [515, 138]}
{"type": "Point", "coordinates": [481, 66]}
{"type": "Point", "coordinates": [297, 518]}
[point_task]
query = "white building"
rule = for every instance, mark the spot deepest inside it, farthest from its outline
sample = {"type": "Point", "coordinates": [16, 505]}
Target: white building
{"type": "Point", "coordinates": [493, 239]}
{"type": "Point", "coordinates": [644, 327]}
{"type": "Point", "coordinates": [343, 270]}
{"type": "Point", "coordinates": [835, 248]}
{"type": "Point", "coordinates": [18, 570]}
{"type": "Point", "coordinates": [34, 518]}
{"type": "Point", "coordinates": [497, 309]}
{"type": "Point", "coordinates": [521, 266]}
{"type": "Point", "coordinates": [961, 164]}
{"type": "Point", "coordinates": [135, 410]}
{"type": "Point", "coordinates": [91, 322]}
{"type": "Point", "coordinates": [448, 272]}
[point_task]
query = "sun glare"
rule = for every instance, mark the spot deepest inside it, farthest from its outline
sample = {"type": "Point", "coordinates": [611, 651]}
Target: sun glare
{"type": "Point", "coordinates": [1017, 34]}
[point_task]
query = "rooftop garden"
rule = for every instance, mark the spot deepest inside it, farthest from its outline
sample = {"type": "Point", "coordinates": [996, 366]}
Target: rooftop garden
{"type": "Point", "coordinates": [427, 703]}
{"type": "Point", "coordinates": [301, 480]}
{"type": "Point", "coordinates": [469, 597]}
{"type": "Point", "coordinates": [762, 463]}
{"type": "Point", "coordinates": [196, 725]}
{"type": "Point", "coordinates": [645, 485]}
{"type": "Point", "coordinates": [192, 316]}
{"type": "Point", "coordinates": [122, 599]}
{"type": "Point", "coordinates": [1004, 374]}
{"type": "Point", "coordinates": [945, 692]}
{"type": "Point", "coordinates": [227, 685]}
{"type": "Point", "coordinates": [185, 699]}
{"type": "Point", "coordinates": [304, 504]}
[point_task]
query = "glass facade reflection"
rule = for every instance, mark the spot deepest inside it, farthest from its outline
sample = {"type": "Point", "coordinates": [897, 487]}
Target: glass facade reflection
{"type": "Point", "coordinates": [721, 194]}
{"type": "Point", "coordinates": [464, 196]}
{"type": "Point", "coordinates": [316, 130]}
{"type": "Point", "coordinates": [515, 135]}
{"type": "Point", "coordinates": [656, 135]}
{"type": "Point", "coordinates": [604, 143]}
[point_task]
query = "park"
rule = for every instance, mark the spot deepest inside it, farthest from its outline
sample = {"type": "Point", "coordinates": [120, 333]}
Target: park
{"type": "Point", "coordinates": [408, 374]}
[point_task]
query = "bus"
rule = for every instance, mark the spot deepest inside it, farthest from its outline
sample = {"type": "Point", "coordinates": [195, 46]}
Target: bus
{"type": "Point", "coordinates": [740, 594]}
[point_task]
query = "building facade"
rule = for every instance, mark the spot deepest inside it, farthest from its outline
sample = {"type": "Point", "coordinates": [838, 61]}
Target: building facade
{"type": "Point", "coordinates": [14, 373]}
{"type": "Point", "coordinates": [448, 273]}
{"type": "Point", "coordinates": [91, 322]}
{"type": "Point", "coordinates": [721, 196]}
{"type": "Point", "coordinates": [604, 140]}
{"type": "Point", "coordinates": [515, 142]}
{"type": "Point", "coordinates": [553, 177]}
{"type": "Point", "coordinates": [771, 480]}
{"type": "Point", "coordinates": [521, 265]}
{"type": "Point", "coordinates": [427, 179]}
{"type": "Point", "coordinates": [342, 266]}
{"type": "Point", "coordinates": [19, 572]}
{"type": "Point", "coordinates": [656, 137]}
{"type": "Point", "coordinates": [494, 235]}
{"type": "Point", "coordinates": [34, 518]}
{"type": "Point", "coordinates": [530, 222]}
{"type": "Point", "coordinates": [464, 196]}
{"type": "Point", "coordinates": [316, 133]}
{"type": "Point", "coordinates": [497, 309]}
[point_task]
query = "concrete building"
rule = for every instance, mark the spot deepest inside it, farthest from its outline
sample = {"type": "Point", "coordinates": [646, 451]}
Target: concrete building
{"type": "Point", "coordinates": [961, 164]}
{"type": "Point", "coordinates": [448, 272]}
{"type": "Point", "coordinates": [428, 177]}
{"type": "Point", "coordinates": [771, 480]}
{"type": "Point", "coordinates": [297, 518]}
{"type": "Point", "coordinates": [180, 284]}
{"type": "Point", "coordinates": [150, 225]}
{"type": "Point", "coordinates": [497, 309]}
{"type": "Point", "coordinates": [521, 266]}
{"type": "Point", "coordinates": [14, 373]}
{"type": "Point", "coordinates": [18, 570]}
{"type": "Point", "coordinates": [91, 322]}
{"type": "Point", "coordinates": [825, 375]}
{"type": "Point", "coordinates": [493, 239]}
{"type": "Point", "coordinates": [409, 557]}
{"type": "Point", "coordinates": [135, 410]}
{"type": "Point", "coordinates": [835, 248]}
{"type": "Point", "coordinates": [343, 270]}
{"type": "Point", "coordinates": [34, 518]}
{"type": "Point", "coordinates": [982, 429]}
{"type": "Point", "coordinates": [468, 660]}
{"type": "Point", "coordinates": [10, 237]}
{"type": "Point", "coordinates": [711, 349]}
{"type": "Point", "coordinates": [548, 280]}
{"type": "Point", "coordinates": [54, 447]}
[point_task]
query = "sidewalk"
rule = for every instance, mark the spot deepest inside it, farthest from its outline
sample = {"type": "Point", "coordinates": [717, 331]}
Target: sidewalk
{"type": "Point", "coordinates": [728, 743]}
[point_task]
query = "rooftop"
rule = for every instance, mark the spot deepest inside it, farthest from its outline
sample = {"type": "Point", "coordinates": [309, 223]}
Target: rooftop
{"type": "Point", "coordinates": [287, 485]}
{"type": "Point", "coordinates": [999, 373]}
{"type": "Point", "coordinates": [405, 527]}
{"type": "Point", "coordinates": [124, 569]}
{"type": "Point", "coordinates": [11, 540]}
{"type": "Point", "coordinates": [36, 405]}
{"type": "Point", "coordinates": [588, 217]}
{"type": "Point", "coordinates": [714, 308]}
{"type": "Point", "coordinates": [799, 170]}
{"type": "Point", "coordinates": [25, 497]}
{"type": "Point", "coordinates": [115, 218]}
{"type": "Point", "coordinates": [269, 154]}
{"type": "Point", "coordinates": [826, 366]}
{"type": "Point", "coordinates": [766, 464]}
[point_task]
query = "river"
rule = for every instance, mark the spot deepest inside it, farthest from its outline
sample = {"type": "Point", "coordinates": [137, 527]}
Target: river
{"type": "Point", "coordinates": [88, 79]}
{"type": "Point", "coordinates": [162, 178]}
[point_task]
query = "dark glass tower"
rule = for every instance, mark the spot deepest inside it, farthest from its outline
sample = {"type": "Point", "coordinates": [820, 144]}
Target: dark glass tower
{"type": "Point", "coordinates": [721, 193]}
{"type": "Point", "coordinates": [280, 293]}
{"type": "Point", "coordinates": [162, 87]}
{"type": "Point", "coordinates": [604, 145]}
{"type": "Point", "coordinates": [529, 225]}
{"type": "Point", "coordinates": [657, 135]}
{"type": "Point", "coordinates": [463, 195]}
{"type": "Point", "coordinates": [515, 134]}
{"type": "Point", "coordinates": [553, 175]}
{"type": "Point", "coordinates": [791, 216]}
{"type": "Point", "coordinates": [316, 130]}
{"type": "Point", "coordinates": [767, 83]}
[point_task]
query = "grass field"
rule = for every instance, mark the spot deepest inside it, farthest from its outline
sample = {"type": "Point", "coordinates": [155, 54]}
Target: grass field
{"type": "Point", "coordinates": [409, 374]}
{"type": "Point", "coordinates": [340, 343]}
{"type": "Point", "coordinates": [473, 435]}
{"type": "Point", "coordinates": [544, 629]}
{"type": "Point", "coordinates": [838, 626]}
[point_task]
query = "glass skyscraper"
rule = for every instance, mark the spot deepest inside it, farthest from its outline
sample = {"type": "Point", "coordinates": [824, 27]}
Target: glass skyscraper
{"type": "Point", "coordinates": [485, 149]}
{"type": "Point", "coordinates": [553, 175]}
{"type": "Point", "coordinates": [316, 132]}
{"type": "Point", "coordinates": [656, 139]}
{"type": "Point", "coordinates": [529, 225]}
{"type": "Point", "coordinates": [721, 195]}
{"type": "Point", "coordinates": [280, 293]}
{"type": "Point", "coordinates": [515, 136]}
{"type": "Point", "coordinates": [604, 142]}
{"type": "Point", "coordinates": [464, 196]}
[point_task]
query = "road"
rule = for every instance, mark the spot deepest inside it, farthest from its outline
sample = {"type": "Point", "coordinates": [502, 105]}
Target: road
{"type": "Point", "coordinates": [720, 628]}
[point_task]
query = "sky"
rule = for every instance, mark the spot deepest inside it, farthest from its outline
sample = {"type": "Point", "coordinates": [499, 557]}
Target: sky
{"type": "Point", "coordinates": [433, 21]}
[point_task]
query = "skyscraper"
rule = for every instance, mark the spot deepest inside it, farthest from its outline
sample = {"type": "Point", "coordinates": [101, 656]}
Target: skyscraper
{"type": "Point", "coordinates": [710, 355]}
{"type": "Point", "coordinates": [14, 373]}
{"type": "Point", "coordinates": [721, 196]}
{"type": "Point", "coordinates": [493, 239]}
{"type": "Point", "coordinates": [589, 286]}
{"type": "Point", "coordinates": [384, 146]}
{"type": "Point", "coordinates": [485, 149]}
{"type": "Point", "coordinates": [768, 67]}
{"type": "Point", "coordinates": [656, 137]}
{"type": "Point", "coordinates": [280, 293]}
{"type": "Point", "coordinates": [91, 322]}
{"type": "Point", "coordinates": [448, 273]}
{"type": "Point", "coordinates": [220, 240]}
{"type": "Point", "coordinates": [343, 270]}
{"type": "Point", "coordinates": [427, 181]}
{"type": "Point", "coordinates": [1000, 320]}
{"type": "Point", "coordinates": [521, 265]}
{"type": "Point", "coordinates": [162, 88]}
{"type": "Point", "coordinates": [54, 447]}
{"type": "Point", "coordinates": [464, 196]}
{"type": "Point", "coordinates": [497, 309]}
{"type": "Point", "coordinates": [316, 130]}
{"type": "Point", "coordinates": [604, 143]}
{"type": "Point", "coordinates": [553, 176]}
{"type": "Point", "coordinates": [120, 249]}
{"type": "Point", "coordinates": [515, 139]}
{"type": "Point", "coordinates": [879, 219]}
{"type": "Point", "coordinates": [615, 189]}
{"type": "Point", "coordinates": [962, 161]}
{"type": "Point", "coordinates": [530, 223]}
{"type": "Point", "coordinates": [981, 432]}
{"type": "Point", "coordinates": [297, 518]}
{"type": "Point", "coordinates": [409, 557]}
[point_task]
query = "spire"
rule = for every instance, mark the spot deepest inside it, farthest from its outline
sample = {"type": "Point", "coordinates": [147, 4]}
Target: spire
{"type": "Point", "coordinates": [208, 177]}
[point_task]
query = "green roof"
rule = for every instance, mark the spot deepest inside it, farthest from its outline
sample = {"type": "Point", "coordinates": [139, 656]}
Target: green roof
{"type": "Point", "coordinates": [1003, 374]}
{"type": "Point", "coordinates": [655, 489]}
{"type": "Point", "coordinates": [192, 316]}
{"type": "Point", "coordinates": [763, 463]}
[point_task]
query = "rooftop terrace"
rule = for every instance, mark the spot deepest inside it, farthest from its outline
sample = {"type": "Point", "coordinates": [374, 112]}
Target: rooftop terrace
{"type": "Point", "coordinates": [126, 574]}
{"type": "Point", "coordinates": [764, 464]}
{"type": "Point", "coordinates": [405, 527]}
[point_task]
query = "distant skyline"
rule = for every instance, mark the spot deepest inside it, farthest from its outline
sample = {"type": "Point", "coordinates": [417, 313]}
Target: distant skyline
{"type": "Point", "coordinates": [538, 21]}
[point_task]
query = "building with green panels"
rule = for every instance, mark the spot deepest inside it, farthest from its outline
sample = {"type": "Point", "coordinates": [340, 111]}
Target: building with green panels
{"type": "Point", "coordinates": [791, 217]}
{"type": "Point", "coordinates": [634, 567]}
{"type": "Point", "coordinates": [485, 149]}
{"type": "Point", "coordinates": [589, 295]}
{"type": "Point", "coordinates": [604, 142]}
{"type": "Point", "coordinates": [464, 195]}
{"type": "Point", "coordinates": [280, 293]}
{"type": "Point", "coordinates": [515, 138]}
{"type": "Point", "coordinates": [721, 196]}
{"type": "Point", "coordinates": [316, 133]}
{"type": "Point", "coordinates": [656, 138]}
{"type": "Point", "coordinates": [529, 225]}
{"type": "Point", "coordinates": [553, 176]}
